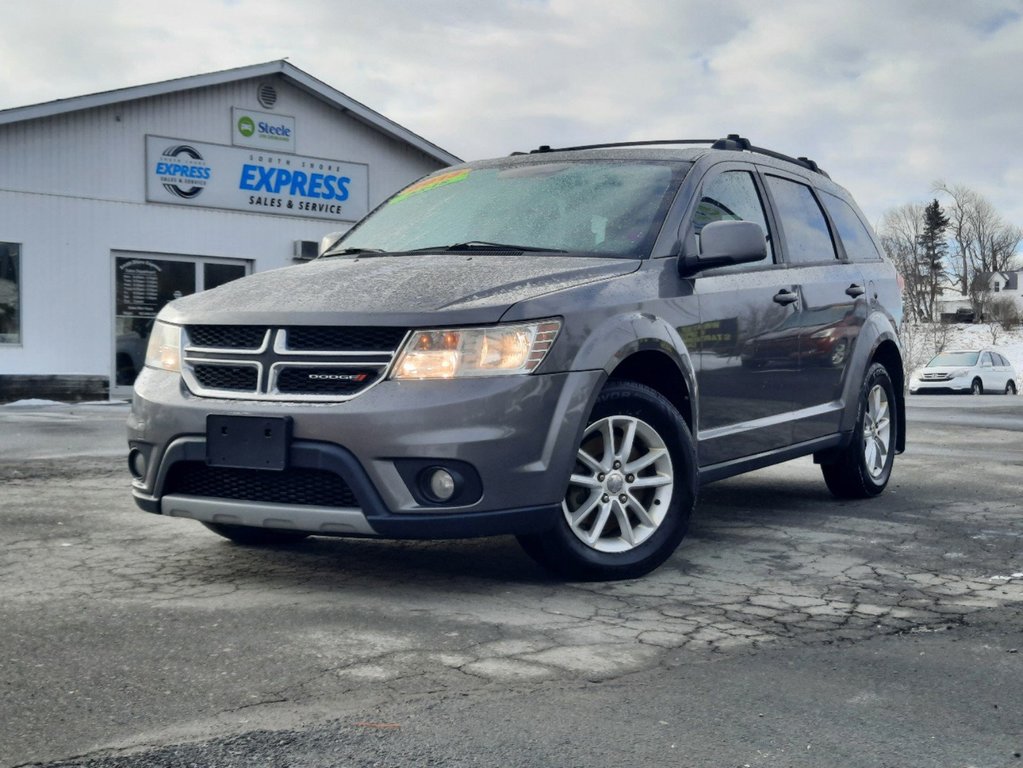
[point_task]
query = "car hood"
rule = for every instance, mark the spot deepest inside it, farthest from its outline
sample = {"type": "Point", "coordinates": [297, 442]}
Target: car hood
{"type": "Point", "coordinates": [393, 290]}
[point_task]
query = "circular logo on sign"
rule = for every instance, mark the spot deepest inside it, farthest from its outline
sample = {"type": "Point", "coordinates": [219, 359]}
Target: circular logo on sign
{"type": "Point", "coordinates": [246, 127]}
{"type": "Point", "coordinates": [183, 171]}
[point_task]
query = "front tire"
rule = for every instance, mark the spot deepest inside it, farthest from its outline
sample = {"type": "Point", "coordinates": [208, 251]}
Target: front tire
{"type": "Point", "coordinates": [631, 491]}
{"type": "Point", "coordinates": [862, 468]}
{"type": "Point", "coordinates": [1010, 387]}
{"type": "Point", "coordinates": [256, 537]}
{"type": "Point", "coordinates": [977, 388]}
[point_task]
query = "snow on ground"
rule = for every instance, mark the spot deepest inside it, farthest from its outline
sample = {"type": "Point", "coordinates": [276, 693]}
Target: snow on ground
{"type": "Point", "coordinates": [922, 341]}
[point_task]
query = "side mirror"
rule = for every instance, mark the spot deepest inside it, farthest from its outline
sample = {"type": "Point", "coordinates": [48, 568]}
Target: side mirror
{"type": "Point", "coordinates": [327, 241]}
{"type": "Point", "coordinates": [723, 243]}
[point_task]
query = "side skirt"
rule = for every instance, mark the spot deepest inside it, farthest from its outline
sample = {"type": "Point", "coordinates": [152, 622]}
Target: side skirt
{"type": "Point", "coordinates": [713, 472]}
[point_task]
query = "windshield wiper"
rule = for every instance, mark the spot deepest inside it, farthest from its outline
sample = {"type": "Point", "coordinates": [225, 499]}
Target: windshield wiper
{"type": "Point", "coordinates": [482, 246]}
{"type": "Point", "coordinates": [469, 245]}
{"type": "Point", "coordinates": [351, 252]}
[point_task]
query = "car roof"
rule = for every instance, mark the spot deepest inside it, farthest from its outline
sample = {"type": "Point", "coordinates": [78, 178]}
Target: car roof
{"type": "Point", "coordinates": [733, 148]}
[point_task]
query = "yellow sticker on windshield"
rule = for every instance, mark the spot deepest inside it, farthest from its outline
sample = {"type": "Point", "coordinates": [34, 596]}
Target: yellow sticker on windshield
{"type": "Point", "coordinates": [432, 183]}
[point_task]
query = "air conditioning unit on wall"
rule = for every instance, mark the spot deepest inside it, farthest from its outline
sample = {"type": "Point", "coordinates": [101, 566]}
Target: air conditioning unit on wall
{"type": "Point", "coordinates": [306, 250]}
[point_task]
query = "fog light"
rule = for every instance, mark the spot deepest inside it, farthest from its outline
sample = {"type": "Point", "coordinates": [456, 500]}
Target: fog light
{"type": "Point", "coordinates": [435, 482]}
{"type": "Point", "coordinates": [137, 463]}
{"type": "Point", "coordinates": [442, 484]}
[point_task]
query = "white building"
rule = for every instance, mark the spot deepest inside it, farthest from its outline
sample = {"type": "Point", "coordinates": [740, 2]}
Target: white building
{"type": "Point", "coordinates": [1004, 285]}
{"type": "Point", "coordinates": [114, 203]}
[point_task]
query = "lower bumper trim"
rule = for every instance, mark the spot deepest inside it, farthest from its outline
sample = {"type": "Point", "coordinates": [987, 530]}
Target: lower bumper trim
{"type": "Point", "coordinates": [338, 521]}
{"type": "Point", "coordinates": [322, 520]}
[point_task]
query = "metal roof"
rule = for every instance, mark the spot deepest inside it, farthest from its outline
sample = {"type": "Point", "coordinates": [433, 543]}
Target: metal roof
{"type": "Point", "coordinates": [291, 73]}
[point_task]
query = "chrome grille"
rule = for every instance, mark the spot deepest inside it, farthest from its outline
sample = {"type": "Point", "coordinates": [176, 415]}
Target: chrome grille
{"type": "Point", "coordinates": [238, 378]}
{"type": "Point", "coordinates": [306, 338]}
{"type": "Point", "coordinates": [298, 363]}
{"type": "Point", "coordinates": [227, 336]}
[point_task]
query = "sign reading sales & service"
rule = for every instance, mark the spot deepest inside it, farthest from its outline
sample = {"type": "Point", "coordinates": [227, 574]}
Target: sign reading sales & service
{"type": "Point", "coordinates": [239, 179]}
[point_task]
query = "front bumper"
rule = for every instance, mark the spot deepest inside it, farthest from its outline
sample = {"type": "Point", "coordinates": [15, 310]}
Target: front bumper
{"type": "Point", "coordinates": [946, 386]}
{"type": "Point", "coordinates": [518, 434]}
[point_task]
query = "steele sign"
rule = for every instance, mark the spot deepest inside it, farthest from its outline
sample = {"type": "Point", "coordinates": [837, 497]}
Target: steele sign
{"type": "Point", "coordinates": [262, 130]}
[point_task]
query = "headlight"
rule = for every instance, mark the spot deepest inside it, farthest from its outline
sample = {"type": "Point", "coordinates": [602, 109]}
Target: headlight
{"type": "Point", "coordinates": [164, 349]}
{"type": "Point", "coordinates": [465, 352]}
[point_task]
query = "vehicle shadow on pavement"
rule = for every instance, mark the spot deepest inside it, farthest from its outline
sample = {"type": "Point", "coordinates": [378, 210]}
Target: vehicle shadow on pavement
{"type": "Point", "coordinates": [335, 562]}
{"type": "Point", "coordinates": [331, 563]}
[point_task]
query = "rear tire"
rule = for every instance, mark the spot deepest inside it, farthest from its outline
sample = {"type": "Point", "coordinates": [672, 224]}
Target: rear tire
{"type": "Point", "coordinates": [862, 468]}
{"type": "Point", "coordinates": [1010, 387]}
{"type": "Point", "coordinates": [631, 491]}
{"type": "Point", "coordinates": [252, 536]}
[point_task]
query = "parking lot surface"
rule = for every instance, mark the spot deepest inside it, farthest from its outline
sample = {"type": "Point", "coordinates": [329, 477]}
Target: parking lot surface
{"type": "Point", "coordinates": [788, 629]}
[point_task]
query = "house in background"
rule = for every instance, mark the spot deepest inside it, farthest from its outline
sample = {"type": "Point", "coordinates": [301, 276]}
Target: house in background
{"type": "Point", "coordinates": [1004, 285]}
{"type": "Point", "coordinates": [990, 292]}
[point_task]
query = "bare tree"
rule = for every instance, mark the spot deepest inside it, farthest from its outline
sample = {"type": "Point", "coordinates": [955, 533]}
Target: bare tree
{"type": "Point", "coordinates": [922, 341]}
{"type": "Point", "coordinates": [1003, 311]}
{"type": "Point", "coordinates": [900, 232]}
{"type": "Point", "coordinates": [982, 242]}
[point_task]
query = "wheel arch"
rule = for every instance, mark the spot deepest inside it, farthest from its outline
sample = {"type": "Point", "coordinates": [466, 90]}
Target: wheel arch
{"type": "Point", "coordinates": [645, 348]}
{"type": "Point", "coordinates": [887, 354]}
{"type": "Point", "coordinates": [878, 342]}
{"type": "Point", "coordinates": [661, 373]}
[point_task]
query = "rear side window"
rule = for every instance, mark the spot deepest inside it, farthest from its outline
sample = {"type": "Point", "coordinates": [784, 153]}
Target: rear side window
{"type": "Point", "coordinates": [807, 237]}
{"type": "Point", "coordinates": [732, 196]}
{"type": "Point", "coordinates": [856, 240]}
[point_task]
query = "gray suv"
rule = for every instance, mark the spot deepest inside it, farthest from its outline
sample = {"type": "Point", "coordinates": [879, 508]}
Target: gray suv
{"type": "Point", "coordinates": [562, 345]}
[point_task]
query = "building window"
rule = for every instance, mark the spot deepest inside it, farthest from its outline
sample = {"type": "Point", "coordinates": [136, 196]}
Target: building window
{"type": "Point", "coordinates": [10, 315]}
{"type": "Point", "coordinates": [144, 283]}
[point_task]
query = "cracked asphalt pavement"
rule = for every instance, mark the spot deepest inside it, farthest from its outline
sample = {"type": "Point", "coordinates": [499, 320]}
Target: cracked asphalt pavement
{"type": "Point", "coordinates": [788, 629]}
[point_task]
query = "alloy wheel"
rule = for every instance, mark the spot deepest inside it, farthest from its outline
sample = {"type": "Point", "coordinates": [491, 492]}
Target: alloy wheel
{"type": "Point", "coordinates": [877, 431]}
{"type": "Point", "coordinates": [621, 488]}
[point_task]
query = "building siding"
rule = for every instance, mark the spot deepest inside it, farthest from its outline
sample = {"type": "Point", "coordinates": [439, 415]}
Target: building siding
{"type": "Point", "coordinates": [73, 195]}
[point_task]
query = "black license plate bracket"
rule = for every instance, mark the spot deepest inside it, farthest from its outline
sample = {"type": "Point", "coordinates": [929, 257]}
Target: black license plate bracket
{"type": "Point", "coordinates": [248, 442]}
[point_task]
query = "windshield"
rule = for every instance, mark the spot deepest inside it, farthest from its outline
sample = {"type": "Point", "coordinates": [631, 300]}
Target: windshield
{"type": "Point", "coordinates": [968, 359]}
{"type": "Point", "coordinates": [608, 208]}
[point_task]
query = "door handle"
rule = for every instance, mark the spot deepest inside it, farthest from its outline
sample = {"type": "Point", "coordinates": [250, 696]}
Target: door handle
{"type": "Point", "coordinates": [855, 290]}
{"type": "Point", "coordinates": [785, 297]}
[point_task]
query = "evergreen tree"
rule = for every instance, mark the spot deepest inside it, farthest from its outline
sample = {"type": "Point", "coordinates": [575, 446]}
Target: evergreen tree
{"type": "Point", "coordinates": [933, 249]}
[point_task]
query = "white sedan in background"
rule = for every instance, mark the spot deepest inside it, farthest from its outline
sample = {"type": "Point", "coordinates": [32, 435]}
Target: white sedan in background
{"type": "Point", "coordinates": [976, 371]}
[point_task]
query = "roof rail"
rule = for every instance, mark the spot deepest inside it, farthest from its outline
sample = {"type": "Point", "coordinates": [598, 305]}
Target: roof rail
{"type": "Point", "coordinates": [546, 148]}
{"type": "Point", "coordinates": [733, 142]}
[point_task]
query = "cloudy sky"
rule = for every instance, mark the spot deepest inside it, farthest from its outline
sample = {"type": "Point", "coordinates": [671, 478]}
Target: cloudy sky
{"type": "Point", "coordinates": [887, 95]}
